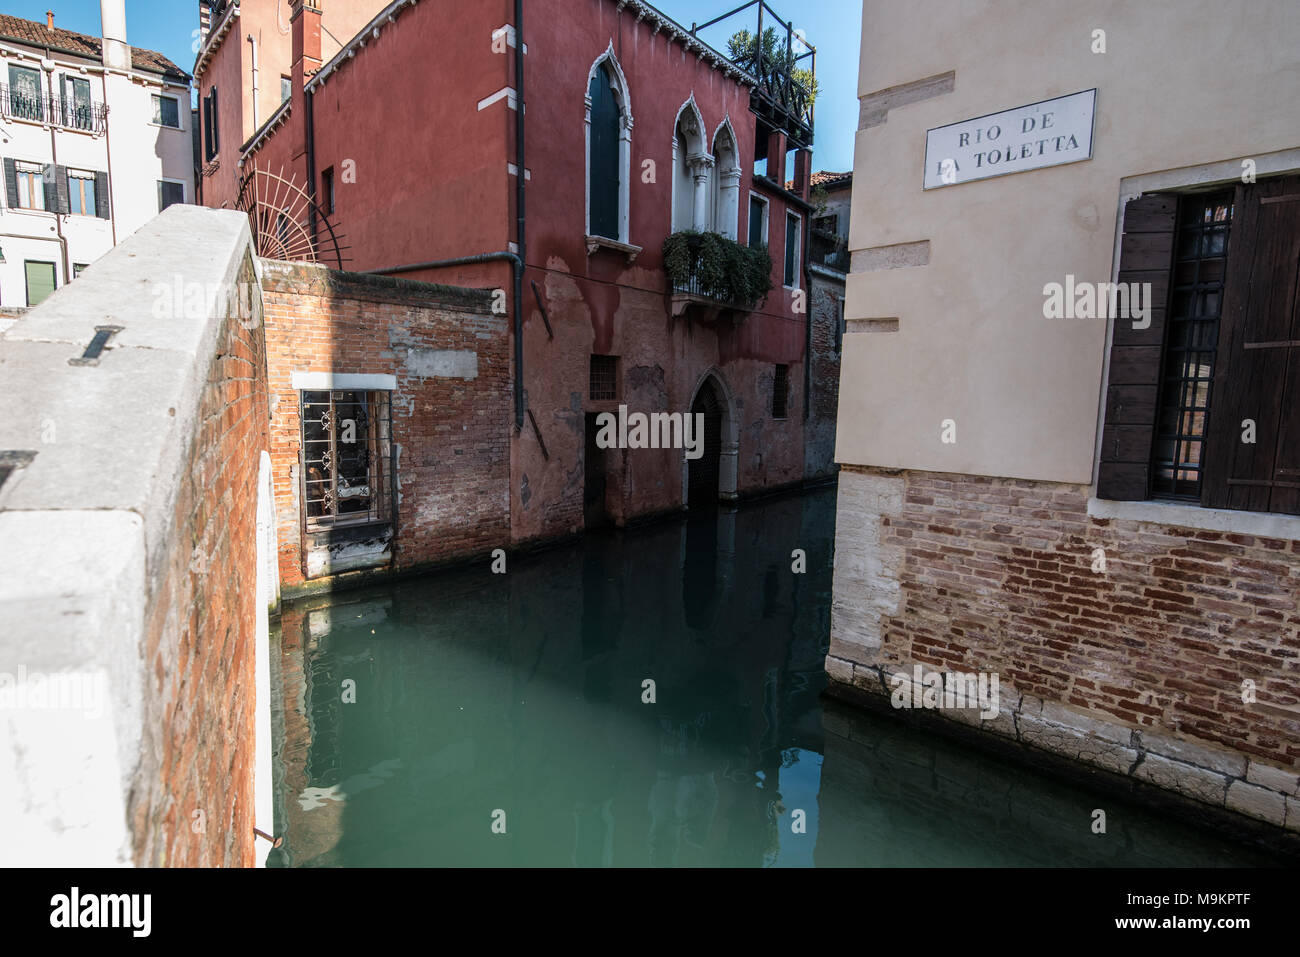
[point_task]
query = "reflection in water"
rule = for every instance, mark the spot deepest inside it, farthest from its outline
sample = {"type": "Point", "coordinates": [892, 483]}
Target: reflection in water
{"type": "Point", "coordinates": [525, 699]}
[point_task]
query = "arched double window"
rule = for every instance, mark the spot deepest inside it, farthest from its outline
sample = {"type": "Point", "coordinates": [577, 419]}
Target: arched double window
{"type": "Point", "coordinates": [609, 149]}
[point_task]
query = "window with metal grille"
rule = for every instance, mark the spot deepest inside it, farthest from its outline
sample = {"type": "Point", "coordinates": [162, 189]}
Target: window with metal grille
{"type": "Point", "coordinates": [1191, 340]}
{"type": "Point", "coordinates": [346, 459]}
{"type": "Point", "coordinates": [780, 391]}
{"type": "Point", "coordinates": [604, 378]}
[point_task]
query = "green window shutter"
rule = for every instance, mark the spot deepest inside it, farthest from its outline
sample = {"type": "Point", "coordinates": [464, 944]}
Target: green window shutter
{"type": "Point", "coordinates": [40, 281]}
{"type": "Point", "coordinates": [604, 185]}
{"type": "Point", "coordinates": [1133, 385]}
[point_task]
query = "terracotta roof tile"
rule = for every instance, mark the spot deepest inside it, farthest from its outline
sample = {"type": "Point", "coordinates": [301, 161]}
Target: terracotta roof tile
{"type": "Point", "coordinates": [79, 44]}
{"type": "Point", "coordinates": [828, 179]}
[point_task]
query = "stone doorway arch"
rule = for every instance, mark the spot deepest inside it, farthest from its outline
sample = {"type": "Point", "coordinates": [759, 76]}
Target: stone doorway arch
{"type": "Point", "coordinates": [712, 478]}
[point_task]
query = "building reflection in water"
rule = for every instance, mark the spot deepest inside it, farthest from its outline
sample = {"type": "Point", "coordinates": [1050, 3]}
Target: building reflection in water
{"type": "Point", "coordinates": [519, 698]}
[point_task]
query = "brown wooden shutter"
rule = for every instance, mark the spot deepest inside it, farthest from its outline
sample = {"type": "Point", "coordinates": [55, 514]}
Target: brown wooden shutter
{"type": "Point", "coordinates": [1133, 385]}
{"type": "Point", "coordinates": [1257, 372]}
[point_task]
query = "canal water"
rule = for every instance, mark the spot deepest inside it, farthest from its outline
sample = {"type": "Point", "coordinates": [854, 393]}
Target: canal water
{"type": "Point", "coordinates": [479, 719]}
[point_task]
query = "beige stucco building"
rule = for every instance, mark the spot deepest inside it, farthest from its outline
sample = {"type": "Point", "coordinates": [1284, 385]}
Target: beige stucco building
{"type": "Point", "coordinates": [1101, 511]}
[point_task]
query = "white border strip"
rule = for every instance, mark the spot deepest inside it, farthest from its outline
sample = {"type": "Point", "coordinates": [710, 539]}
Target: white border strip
{"type": "Point", "coordinates": [1154, 512]}
{"type": "Point", "coordinates": [316, 381]}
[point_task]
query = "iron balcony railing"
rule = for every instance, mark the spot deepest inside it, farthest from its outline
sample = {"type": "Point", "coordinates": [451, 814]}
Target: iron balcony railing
{"type": "Point", "coordinates": [18, 104]}
{"type": "Point", "coordinates": [827, 249]}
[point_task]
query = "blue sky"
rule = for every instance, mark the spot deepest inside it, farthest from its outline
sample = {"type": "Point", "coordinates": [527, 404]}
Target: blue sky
{"type": "Point", "coordinates": [834, 26]}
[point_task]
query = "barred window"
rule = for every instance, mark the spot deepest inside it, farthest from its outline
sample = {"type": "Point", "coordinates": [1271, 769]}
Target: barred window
{"type": "Point", "coordinates": [604, 378]}
{"type": "Point", "coordinates": [346, 457]}
{"type": "Point", "coordinates": [780, 391]}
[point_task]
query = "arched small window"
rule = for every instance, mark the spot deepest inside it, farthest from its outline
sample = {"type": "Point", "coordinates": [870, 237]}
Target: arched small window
{"type": "Point", "coordinates": [609, 149]}
{"type": "Point", "coordinates": [692, 172]}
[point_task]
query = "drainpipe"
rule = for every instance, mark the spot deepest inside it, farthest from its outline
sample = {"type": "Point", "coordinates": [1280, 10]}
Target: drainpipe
{"type": "Point", "coordinates": [54, 160]}
{"type": "Point", "coordinates": [309, 125]}
{"type": "Point", "coordinates": [520, 232]}
{"type": "Point", "coordinates": [253, 42]}
{"type": "Point", "coordinates": [441, 263]}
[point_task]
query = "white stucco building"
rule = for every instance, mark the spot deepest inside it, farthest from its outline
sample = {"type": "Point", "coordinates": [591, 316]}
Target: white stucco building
{"type": "Point", "coordinates": [95, 139]}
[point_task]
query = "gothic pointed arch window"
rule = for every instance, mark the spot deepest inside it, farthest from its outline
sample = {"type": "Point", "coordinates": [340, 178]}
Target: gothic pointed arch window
{"type": "Point", "coordinates": [692, 171]}
{"type": "Point", "coordinates": [609, 149]}
{"type": "Point", "coordinates": [726, 199]}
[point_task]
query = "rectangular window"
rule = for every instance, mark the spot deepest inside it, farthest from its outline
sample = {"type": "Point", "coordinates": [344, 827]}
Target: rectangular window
{"type": "Point", "coordinates": [327, 191]}
{"type": "Point", "coordinates": [604, 378]}
{"type": "Point", "coordinates": [793, 258]}
{"type": "Point", "coordinates": [757, 221]}
{"type": "Point", "coordinates": [346, 457]}
{"type": "Point", "coordinates": [76, 103]}
{"type": "Point", "coordinates": [286, 88]}
{"type": "Point", "coordinates": [31, 186]}
{"type": "Point", "coordinates": [169, 194]}
{"type": "Point", "coordinates": [81, 193]}
{"type": "Point", "coordinates": [1198, 405]}
{"type": "Point", "coordinates": [1191, 337]}
{"type": "Point", "coordinates": [78, 269]}
{"type": "Point", "coordinates": [211, 126]}
{"type": "Point", "coordinates": [25, 99]}
{"type": "Point", "coordinates": [826, 225]}
{"type": "Point", "coordinates": [166, 111]}
{"type": "Point", "coordinates": [41, 281]}
{"type": "Point", "coordinates": [780, 391]}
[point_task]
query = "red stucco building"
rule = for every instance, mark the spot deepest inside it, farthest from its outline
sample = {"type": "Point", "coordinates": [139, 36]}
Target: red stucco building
{"type": "Point", "coordinates": [407, 131]}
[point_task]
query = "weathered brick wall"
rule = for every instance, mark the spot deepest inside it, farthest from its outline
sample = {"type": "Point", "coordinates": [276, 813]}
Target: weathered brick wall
{"type": "Point", "coordinates": [197, 754]}
{"type": "Point", "coordinates": [819, 435]}
{"type": "Point", "coordinates": [1138, 669]}
{"type": "Point", "coordinates": [452, 432]}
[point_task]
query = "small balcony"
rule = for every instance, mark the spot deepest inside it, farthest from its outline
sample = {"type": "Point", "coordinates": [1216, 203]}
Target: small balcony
{"type": "Point", "coordinates": [829, 250]}
{"type": "Point", "coordinates": [714, 277]}
{"type": "Point", "coordinates": [20, 104]}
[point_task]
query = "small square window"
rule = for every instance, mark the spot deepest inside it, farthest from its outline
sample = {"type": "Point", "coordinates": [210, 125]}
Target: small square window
{"type": "Point", "coordinates": [169, 194]}
{"type": "Point", "coordinates": [604, 378]}
{"type": "Point", "coordinates": [166, 111]}
{"type": "Point", "coordinates": [780, 391]}
{"type": "Point", "coordinates": [286, 88]}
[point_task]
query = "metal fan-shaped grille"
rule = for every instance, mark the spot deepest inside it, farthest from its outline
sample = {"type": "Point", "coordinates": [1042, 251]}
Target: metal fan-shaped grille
{"type": "Point", "coordinates": [286, 223]}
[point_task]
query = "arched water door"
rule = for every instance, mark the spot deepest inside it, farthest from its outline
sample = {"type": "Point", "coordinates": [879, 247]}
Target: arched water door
{"type": "Point", "coordinates": [704, 472]}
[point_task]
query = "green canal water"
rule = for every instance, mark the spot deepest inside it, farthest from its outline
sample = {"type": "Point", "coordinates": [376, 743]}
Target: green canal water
{"type": "Point", "coordinates": [516, 702]}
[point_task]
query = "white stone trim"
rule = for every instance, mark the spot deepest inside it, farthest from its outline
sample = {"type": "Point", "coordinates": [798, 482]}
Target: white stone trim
{"type": "Point", "coordinates": [506, 92]}
{"type": "Point", "coordinates": [360, 382]}
{"type": "Point", "coordinates": [1191, 515]}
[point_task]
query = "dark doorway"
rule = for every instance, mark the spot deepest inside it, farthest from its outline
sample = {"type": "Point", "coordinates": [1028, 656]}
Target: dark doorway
{"type": "Point", "coordinates": [593, 499]}
{"type": "Point", "coordinates": [703, 473]}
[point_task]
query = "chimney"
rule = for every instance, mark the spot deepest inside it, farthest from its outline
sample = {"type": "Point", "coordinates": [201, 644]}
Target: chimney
{"type": "Point", "coordinates": [803, 175]}
{"type": "Point", "coordinates": [49, 19]}
{"type": "Point", "coordinates": [205, 20]}
{"type": "Point", "coordinates": [112, 26]}
{"type": "Point", "coordinates": [305, 20]}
